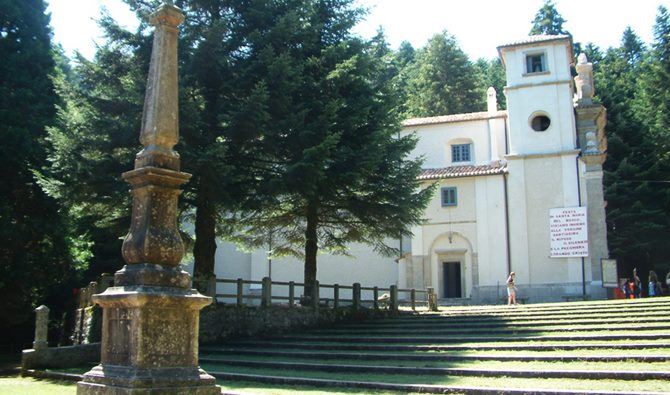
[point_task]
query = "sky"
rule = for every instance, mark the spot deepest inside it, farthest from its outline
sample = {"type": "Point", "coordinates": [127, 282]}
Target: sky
{"type": "Point", "coordinates": [478, 25]}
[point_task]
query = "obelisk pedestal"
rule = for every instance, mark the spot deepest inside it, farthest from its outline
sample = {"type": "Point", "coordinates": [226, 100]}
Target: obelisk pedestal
{"type": "Point", "coordinates": [150, 316]}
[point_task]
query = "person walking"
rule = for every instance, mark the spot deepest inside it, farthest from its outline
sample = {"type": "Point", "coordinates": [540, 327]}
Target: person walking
{"type": "Point", "coordinates": [637, 290]}
{"type": "Point", "coordinates": [511, 290]}
{"type": "Point", "coordinates": [653, 284]}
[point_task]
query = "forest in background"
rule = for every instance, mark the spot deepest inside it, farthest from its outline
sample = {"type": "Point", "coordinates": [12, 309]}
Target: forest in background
{"type": "Point", "coordinates": [268, 101]}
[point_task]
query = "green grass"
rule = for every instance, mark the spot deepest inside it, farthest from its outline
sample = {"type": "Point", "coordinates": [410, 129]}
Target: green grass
{"type": "Point", "coordinates": [576, 352]}
{"type": "Point", "coordinates": [30, 386]}
{"type": "Point", "coordinates": [498, 365]}
{"type": "Point", "coordinates": [498, 382]}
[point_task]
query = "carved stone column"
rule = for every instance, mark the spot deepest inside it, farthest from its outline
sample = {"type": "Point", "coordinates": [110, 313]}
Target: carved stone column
{"type": "Point", "coordinates": [150, 316]}
{"type": "Point", "coordinates": [591, 120]}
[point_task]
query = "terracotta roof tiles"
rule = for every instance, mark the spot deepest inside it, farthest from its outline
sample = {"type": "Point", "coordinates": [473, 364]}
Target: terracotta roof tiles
{"type": "Point", "coordinates": [462, 171]}
{"type": "Point", "coordinates": [472, 116]}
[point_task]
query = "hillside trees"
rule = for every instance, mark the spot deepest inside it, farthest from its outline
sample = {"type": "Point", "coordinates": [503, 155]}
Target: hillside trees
{"type": "Point", "coordinates": [548, 20]}
{"type": "Point", "coordinates": [443, 80]}
{"type": "Point", "coordinates": [34, 240]}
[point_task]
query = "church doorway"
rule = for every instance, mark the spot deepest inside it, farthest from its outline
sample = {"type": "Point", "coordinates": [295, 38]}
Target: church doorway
{"type": "Point", "coordinates": [452, 279]}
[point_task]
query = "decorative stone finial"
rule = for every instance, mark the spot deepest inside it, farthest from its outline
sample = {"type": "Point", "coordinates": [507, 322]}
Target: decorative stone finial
{"type": "Point", "coordinates": [581, 59]}
{"type": "Point", "coordinates": [584, 80]}
{"type": "Point", "coordinates": [491, 100]}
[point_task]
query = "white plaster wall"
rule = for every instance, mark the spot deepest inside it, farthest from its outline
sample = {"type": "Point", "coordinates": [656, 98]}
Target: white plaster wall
{"type": "Point", "coordinates": [552, 100]}
{"type": "Point", "coordinates": [558, 62]}
{"type": "Point", "coordinates": [552, 182]}
{"type": "Point", "coordinates": [435, 142]}
{"type": "Point", "coordinates": [491, 230]}
{"type": "Point", "coordinates": [364, 266]}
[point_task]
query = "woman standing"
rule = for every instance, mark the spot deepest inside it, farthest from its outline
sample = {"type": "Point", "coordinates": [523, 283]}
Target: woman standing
{"type": "Point", "coordinates": [511, 290]}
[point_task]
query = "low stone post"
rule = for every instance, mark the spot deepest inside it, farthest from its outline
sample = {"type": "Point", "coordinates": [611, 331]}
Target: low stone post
{"type": "Point", "coordinates": [315, 294]}
{"type": "Point", "coordinates": [291, 293]}
{"type": "Point", "coordinates": [394, 298]}
{"type": "Point", "coordinates": [375, 298]}
{"type": "Point", "coordinates": [356, 296]}
{"type": "Point", "coordinates": [41, 328]}
{"type": "Point", "coordinates": [432, 300]}
{"type": "Point", "coordinates": [412, 296]}
{"type": "Point", "coordinates": [336, 296]}
{"type": "Point", "coordinates": [240, 292]}
{"type": "Point", "coordinates": [266, 292]}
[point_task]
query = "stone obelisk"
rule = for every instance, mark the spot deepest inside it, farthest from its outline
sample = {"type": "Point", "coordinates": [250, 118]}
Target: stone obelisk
{"type": "Point", "coordinates": [150, 316]}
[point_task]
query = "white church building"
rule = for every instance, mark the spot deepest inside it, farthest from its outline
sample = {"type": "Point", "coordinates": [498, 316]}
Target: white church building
{"type": "Point", "coordinates": [512, 188]}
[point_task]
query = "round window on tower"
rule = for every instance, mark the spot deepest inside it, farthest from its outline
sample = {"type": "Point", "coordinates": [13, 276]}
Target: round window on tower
{"type": "Point", "coordinates": [540, 122]}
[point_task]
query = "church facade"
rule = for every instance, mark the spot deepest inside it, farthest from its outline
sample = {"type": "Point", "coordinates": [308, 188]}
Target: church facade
{"type": "Point", "coordinates": [499, 175]}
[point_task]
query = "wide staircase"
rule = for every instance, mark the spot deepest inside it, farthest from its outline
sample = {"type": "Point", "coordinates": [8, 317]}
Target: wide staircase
{"type": "Point", "coordinates": [599, 347]}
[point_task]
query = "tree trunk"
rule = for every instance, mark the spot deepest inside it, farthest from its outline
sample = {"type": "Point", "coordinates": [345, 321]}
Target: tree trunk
{"type": "Point", "coordinates": [204, 249]}
{"type": "Point", "coordinates": [311, 249]}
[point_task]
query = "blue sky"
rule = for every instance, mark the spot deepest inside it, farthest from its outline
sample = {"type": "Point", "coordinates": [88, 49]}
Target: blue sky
{"type": "Point", "coordinates": [479, 25]}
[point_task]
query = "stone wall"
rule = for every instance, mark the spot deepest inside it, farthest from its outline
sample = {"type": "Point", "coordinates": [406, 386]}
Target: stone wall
{"type": "Point", "coordinates": [61, 357]}
{"type": "Point", "coordinates": [224, 322]}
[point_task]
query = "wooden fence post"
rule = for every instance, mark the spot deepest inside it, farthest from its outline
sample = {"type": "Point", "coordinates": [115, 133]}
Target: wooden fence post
{"type": "Point", "coordinates": [336, 296]}
{"type": "Point", "coordinates": [266, 292]}
{"type": "Point", "coordinates": [432, 299]}
{"type": "Point", "coordinates": [375, 298]}
{"type": "Point", "coordinates": [356, 296]}
{"type": "Point", "coordinates": [394, 298]}
{"type": "Point", "coordinates": [315, 294]}
{"type": "Point", "coordinates": [291, 293]}
{"type": "Point", "coordinates": [412, 295]}
{"type": "Point", "coordinates": [240, 291]}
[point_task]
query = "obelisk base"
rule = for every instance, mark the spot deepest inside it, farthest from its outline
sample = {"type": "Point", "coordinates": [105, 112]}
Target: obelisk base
{"type": "Point", "coordinates": [150, 340]}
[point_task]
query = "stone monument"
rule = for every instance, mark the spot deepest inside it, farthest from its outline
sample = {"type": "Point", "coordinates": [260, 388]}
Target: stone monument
{"type": "Point", "coordinates": [150, 316]}
{"type": "Point", "coordinates": [591, 117]}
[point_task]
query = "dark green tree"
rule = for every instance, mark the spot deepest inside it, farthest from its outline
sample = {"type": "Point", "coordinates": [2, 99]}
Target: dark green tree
{"type": "Point", "coordinates": [492, 74]}
{"type": "Point", "coordinates": [34, 247]}
{"type": "Point", "coordinates": [548, 20]}
{"type": "Point", "coordinates": [95, 139]}
{"type": "Point", "coordinates": [444, 81]}
{"type": "Point", "coordinates": [652, 110]}
{"type": "Point", "coordinates": [635, 214]}
{"type": "Point", "coordinates": [336, 170]}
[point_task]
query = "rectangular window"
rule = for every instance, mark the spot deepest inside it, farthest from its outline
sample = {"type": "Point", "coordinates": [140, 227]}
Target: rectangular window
{"type": "Point", "coordinates": [535, 63]}
{"type": "Point", "coordinates": [460, 153]}
{"type": "Point", "coordinates": [449, 197]}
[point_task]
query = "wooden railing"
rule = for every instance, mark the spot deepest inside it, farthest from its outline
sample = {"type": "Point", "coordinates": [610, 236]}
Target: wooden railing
{"type": "Point", "coordinates": [377, 297]}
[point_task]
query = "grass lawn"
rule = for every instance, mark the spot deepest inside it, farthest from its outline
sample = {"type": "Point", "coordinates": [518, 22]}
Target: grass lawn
{"type": "Point", "coordinates": [497, 382]}
{"type": "Point", "coordinates": [496, 365]}
{"type": "Point", "coordinates": [30, 386]}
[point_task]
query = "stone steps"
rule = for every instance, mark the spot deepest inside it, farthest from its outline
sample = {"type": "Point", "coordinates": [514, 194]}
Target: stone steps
{"type": "Point", "coordinates": [433, 357]}
{"type": "Point", "coordinates": [472, 339]}
{"type": "Point", "coordinates": [498, 329]}
{"type": "Point", "coordinates": [492, 345]}
{"type": "Point", "coordinates": [547, 346]}
{"type": "Point", "coordinates": [394, 370]}
{"type": "Point", "coordinates": [447, 324]}
{"type": "Point", "coordinates": [324, 384]}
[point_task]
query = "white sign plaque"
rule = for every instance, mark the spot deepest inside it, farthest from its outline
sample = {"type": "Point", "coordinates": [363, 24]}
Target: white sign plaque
{"type": "Point", "coordinates": [569, 233]}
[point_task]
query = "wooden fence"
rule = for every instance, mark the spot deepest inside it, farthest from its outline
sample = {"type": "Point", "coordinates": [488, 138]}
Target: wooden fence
{"type": "Point", "coordinates": [392, 296]}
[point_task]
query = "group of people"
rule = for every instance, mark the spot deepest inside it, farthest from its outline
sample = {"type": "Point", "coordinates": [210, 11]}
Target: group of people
{"type": "Point", "coordinates": [632, 287]}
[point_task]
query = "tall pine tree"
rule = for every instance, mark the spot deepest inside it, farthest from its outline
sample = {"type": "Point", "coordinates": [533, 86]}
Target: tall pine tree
{"type": "Point", "coordinates": [444, 81]}
{"type": "Point", "coordinates": [335, 170]}
{"type": "Point", "coordinates": [34, 254]}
